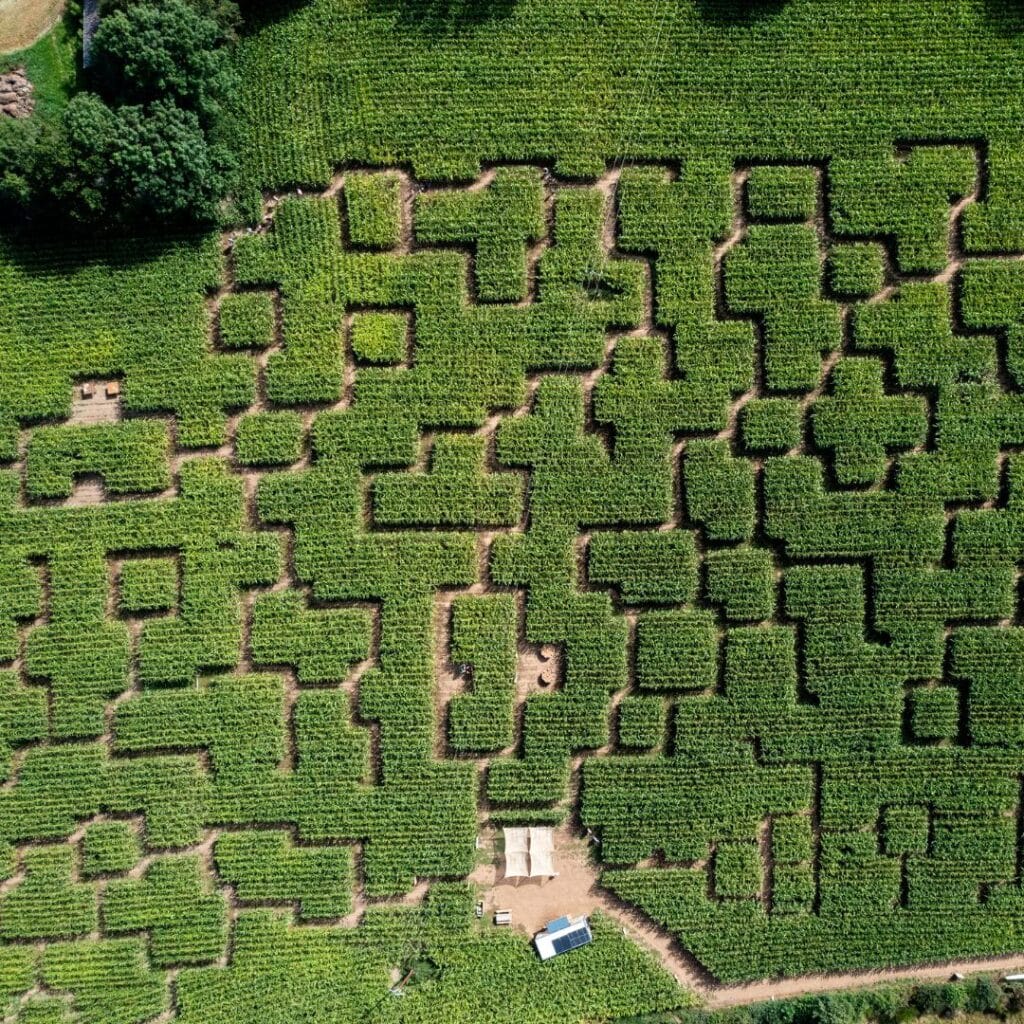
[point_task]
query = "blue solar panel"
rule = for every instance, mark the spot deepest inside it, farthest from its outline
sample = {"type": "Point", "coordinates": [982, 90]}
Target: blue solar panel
{"type": "Point", "coordinates": [571, 940]}
{"type": "Point", "coordinates": [558, 924]}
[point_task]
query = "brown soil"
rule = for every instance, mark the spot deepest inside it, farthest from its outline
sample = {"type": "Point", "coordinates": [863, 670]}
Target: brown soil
{"type": "Point", "coordinates": [97, 408]}
{"type": "Point", "coordinates": [22, 22]}
{"type": "Point", "coordinates": [87, 491]}
{"type": "Point", "coordinates": [538, 669]}
{"type": "Point", "coordinates": [535, 901]}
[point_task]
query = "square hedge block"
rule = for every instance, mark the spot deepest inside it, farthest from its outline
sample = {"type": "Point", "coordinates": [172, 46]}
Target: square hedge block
{"type": "Point", "coordinates": [792, 888]}
{"type": "Point", "coordinates": [380, 338]}
{"type": "Point", "coordinates": [372, 203]}
{"type": "Point", "coordinates": [934, 713]}
{"type": "Point", "coordinates": [792, 841]}
{"type": "Point", "coordinates": [676, 650]}
{"type": "Point", "coordinates": [771, 424]}
{"type": "Point", "coordinates": [109, 847]}
{"type": "Point", "coordinates": [904, 830]}
{"type": "Point", "coordinates": [247, 320]}
{"type": "Point", "coordinates": [269, 439]}
{"type": "Point", "coordinates": [782, 193]}
{"type": "Point", "coordinates": [856, 270]}
{"type": "Point", "coordinates": [148, 585]}
{"type": "Point", "coordinates": [737, 870]}
{"type": "Point", "coordinates": [641, 722]}
{"type": "Point", "coordinates": [742, 581]}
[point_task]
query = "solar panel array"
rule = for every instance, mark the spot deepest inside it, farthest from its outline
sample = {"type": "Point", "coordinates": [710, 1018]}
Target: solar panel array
{"type": "Point", "coordinates": [571, 940]}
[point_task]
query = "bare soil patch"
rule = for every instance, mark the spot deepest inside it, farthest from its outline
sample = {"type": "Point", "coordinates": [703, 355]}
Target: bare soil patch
{"type": "Point", "coordinates": [22, 22]}
{"type": "Point", "coordinates": [536, 901]}
{"type": "Point", "coordinates": [96, 402]}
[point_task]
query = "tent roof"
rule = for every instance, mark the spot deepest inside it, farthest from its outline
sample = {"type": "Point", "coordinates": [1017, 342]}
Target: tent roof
{"type": "Point", "coordinates": [515, 864]}
{"type": "Point", "coordinates": [516, 840]}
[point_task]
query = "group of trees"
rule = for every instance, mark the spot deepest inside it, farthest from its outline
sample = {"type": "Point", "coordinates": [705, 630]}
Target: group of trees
{"type": "Point", "coordinates": [141, 143]}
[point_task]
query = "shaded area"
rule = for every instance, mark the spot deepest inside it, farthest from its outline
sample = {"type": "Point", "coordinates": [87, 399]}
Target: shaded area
{"type": "Point", "coordinates": [738, 11]}
{"type": "Point", "coordinates": [1005, 16]}
{"type": "Point", "coordinates": [444, 17]}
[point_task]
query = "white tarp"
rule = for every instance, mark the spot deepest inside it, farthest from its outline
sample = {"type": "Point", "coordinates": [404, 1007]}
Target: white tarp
{"type": "Point", "coordinates": [516, 842]}
{"type": "Point", "coordinates": [542, 849]}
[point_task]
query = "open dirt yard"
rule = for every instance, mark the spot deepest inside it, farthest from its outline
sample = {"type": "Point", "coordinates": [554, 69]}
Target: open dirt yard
{"type": "Point", "coordinates": [22, 22]}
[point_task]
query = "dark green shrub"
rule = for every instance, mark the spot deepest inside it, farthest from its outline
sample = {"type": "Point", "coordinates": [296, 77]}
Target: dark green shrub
{"type": "Point", "coordinates": [944, 999]}
{"type": "Point", "coordinates": [986, 995]}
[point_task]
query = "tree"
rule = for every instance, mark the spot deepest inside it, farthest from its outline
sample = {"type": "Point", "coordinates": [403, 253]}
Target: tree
{"type": "Point", "coordinates": [147, 52]}
{"type": "Point", "coordinates": [78, 174]}
{"type": "Point", "coordinates": [164, 166]}
{"type": "Point", "coordinates": [134, 164]}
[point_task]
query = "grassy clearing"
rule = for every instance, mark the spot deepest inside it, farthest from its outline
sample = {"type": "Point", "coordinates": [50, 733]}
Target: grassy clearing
{"type": "Point", "coordinates": [51, 65]}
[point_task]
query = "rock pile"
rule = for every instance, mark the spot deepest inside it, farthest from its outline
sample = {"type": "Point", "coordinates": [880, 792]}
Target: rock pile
{"type": "Point", "coordinates": [15, 94]}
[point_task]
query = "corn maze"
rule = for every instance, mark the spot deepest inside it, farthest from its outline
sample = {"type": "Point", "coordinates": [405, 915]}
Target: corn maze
{"type": "Point", "coordinates": [749, 465]}
{"type": "Point", "coordinates": [503, 482]}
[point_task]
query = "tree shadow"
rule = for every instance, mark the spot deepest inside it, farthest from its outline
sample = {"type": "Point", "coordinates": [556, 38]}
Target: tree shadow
{"type": "Point", "coordinates": [258, 14]}
{"type": "Point", "coordinates": [1006, 17]}
{"type": "Point", "coordinates": [738, 12]}
{"type": "Point", "coordinates": [433, 17]}
{"type": "Point", "coordinates": [445, 17]}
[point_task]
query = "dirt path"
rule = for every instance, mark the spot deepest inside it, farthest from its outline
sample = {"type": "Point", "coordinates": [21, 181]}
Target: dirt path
{"type": "Point", "coordinates": [22, 22]}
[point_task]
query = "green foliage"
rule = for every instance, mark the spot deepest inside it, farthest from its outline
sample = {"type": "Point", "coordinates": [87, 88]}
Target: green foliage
{"type": "Point", "coordinates": [109, 847]}
{"type": "Point", "coordinates": [379, 337]}
{"type": "Point", "coordinates": [145, 52]}
{"type": "Point", "coordinates": [269, 439]}
{"type": "Point", "coordinates": [676, 651]}
{"type": "Point", "coordinates": [147, 585]}
{"type": "Point", "coordinates": [47, 903]}
{"type": "Point", "coordinates": [645, 425]}
{"type": "Point", "coordinates": [130, 457]}
{"type": "Point", "coordinates": [264, 867]}
{"type": "Point", "coordinates": [737, 870]}
{"type": "Point", "coordinates": [935, 713]}
{"type": "Point", "coordinates": [641, 721]}
{"type": "Point", "coordinates": [647, 567]}
{"type": "Point", "coordinates": [940, 999]}
{"type": "Point", "coordinates": [246, 320]}
{"type": "Point", "coordinates": [142, 149]}
{"type": "Point", "coordinates": [782, 193]}
{"type": "Point", "coordinates": [856, 270]}
{"type": "Point", "coordinates": [131, 165]}
{"type": "Point", "coordinates": [372, 205]}
{"type": "Point", "coordinates": [905, 830]}
{"type": "Point", "coordinates": [742, 581]}
{"type": "Point", "coordinates": [771, 424]}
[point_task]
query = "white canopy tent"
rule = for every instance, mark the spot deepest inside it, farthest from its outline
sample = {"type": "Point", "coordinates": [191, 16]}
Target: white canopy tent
{"type": "Point", "coordinates": [529, 853]}
{"type": "Point", "coordinates": [542, 850]}
{"type": "Point", "coordinates": [516, 843]}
